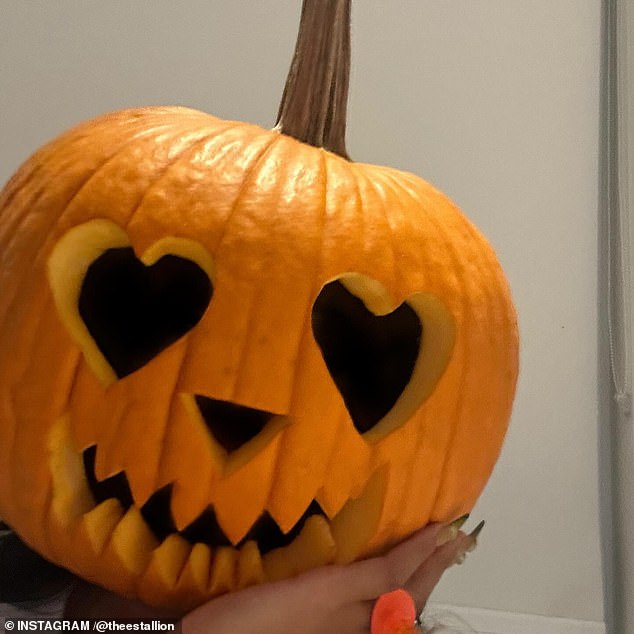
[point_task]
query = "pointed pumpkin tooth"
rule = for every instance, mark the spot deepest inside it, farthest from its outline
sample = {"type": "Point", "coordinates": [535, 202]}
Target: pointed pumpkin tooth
{"type": "Point", "coordinates": [354, 526]}
{"type": "Point", "coordinates": [195, 574]}
{"type": "Point", "coordinates": [330, 501]}
{"type": "Point", "coordinates": [186, 505]}
{"type": "Point", "coordinates": [191, 589]}
{"type": "Point", "coordinates": [97, 525]}
{"type": "Point", "coordinates": [345, 476]}
{"type": "Point", "coordinates": [277, 565]}
{"type": "Point", "coordinates": [161, 575]}
{"type": "Point", "coordinates": [96, 555]}
{"type": "Point", "coordinates": [250, 570]}
{"type": "Point", "coordinates": [223, 571]}
{"type": "Point", "coordinates": [314, 546]}
{"type": "Point", "coordinates": [141, 483]}
{"type": "Point", "coordinates": [133, 542]}
{"type": "Point", "coordinates": [254, 477]}
{"type": "Point", "coordinates": [106, 469]}
{"type": "Point", "coordinates": [188, 435]}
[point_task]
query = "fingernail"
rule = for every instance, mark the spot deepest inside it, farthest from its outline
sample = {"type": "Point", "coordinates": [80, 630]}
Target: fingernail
{"type": "Point", "coordinates": [450, 532]}
{"type": "Point", "coordinates": [460, 522]}
{"type": "Point", "coordinates": [472, 542]}
{"type": "Point", "coordinates": [473, 537]}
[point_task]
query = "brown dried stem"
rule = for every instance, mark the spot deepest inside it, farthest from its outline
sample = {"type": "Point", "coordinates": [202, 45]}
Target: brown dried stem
{"type": "Point", "coordinates": [313, 106]}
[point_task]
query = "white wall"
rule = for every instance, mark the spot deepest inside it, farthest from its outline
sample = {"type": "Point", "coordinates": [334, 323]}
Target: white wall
{"type": "Point", "coordinates": [496, 102]}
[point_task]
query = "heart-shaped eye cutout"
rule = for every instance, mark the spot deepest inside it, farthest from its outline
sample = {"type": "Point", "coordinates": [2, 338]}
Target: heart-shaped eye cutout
{"type": "Point", "coordinates": [134, 311]}
{"type": "Point", "coordinates": [120, 309]}
{"type": "Point", "coordinates": [384, 359]}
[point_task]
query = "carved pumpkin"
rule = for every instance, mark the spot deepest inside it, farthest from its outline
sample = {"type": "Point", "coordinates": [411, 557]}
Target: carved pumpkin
{"type": "Point", "coordinates": [227, 356]}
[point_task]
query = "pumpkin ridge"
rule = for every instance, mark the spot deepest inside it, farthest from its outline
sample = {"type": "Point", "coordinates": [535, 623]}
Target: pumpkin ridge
{"type": "Point", "coordinates": [343, 419]}
{"type": "Point", "coordinates": [361, 221]}
{"type": "Point", "coordinates": [306, 332]}
{"type": "Point", "coordinates": [498, 317]}
{"type": "Point", "coordinates": [125, 141]}
{"type": "Point", "coordinates": [176, 395]}
{"type": "Point", "coordinates": [202, 135]}
{"type": "Point", "coordinates": [378, 207]}
{"type": "Point", "coordinates": [20, 369]}
{"type": "Point", "coordinates": [73, 382]}
{"type": "Point", "coordinates": [304, 339]}
{"type": "Point", "coordinates": [251, 313]}
{"type": "Point", "coordinates": [393, 177]}
{"type": "Point", "coordinates": [408, 468]}
{"type": "Point", "coordinates": [507, 314]}
{"type": "Point", "coordinates": [464, 326]}
{"type": "Point", "coordinates": [246, 180]}
{"type": "Point", "coordinates": [421, 428]}
{"type": "Point", "coordinates": [36, 162]}
{"type": "Point", "coordinates": [169, 411]}
{"type": "Point", "coordinates": [490, 370]}
{"type": "Point", "coordinates": [17, 183]}
{"type": "Point", "coordinates": [247, 175]}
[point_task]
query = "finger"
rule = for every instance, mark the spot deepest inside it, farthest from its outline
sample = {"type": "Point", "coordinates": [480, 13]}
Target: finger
{"type": "Point", "coordinates": [370, 578]}
{"type": "Point", "coordinates": [425, 578]}
{"type": "Point", "coordinates": [405, 558]}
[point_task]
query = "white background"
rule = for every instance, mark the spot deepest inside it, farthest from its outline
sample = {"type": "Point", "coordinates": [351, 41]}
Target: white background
{"type": "Point", "coordinates": [494, 101]}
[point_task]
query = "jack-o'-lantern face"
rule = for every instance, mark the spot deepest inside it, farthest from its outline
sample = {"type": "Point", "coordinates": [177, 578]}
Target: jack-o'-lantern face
{"type": "Point", "coordinates": [227, 356]}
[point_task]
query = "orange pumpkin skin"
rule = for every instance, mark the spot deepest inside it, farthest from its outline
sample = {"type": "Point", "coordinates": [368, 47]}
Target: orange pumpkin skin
{"type": "Point", "coordinates": [272, 220]}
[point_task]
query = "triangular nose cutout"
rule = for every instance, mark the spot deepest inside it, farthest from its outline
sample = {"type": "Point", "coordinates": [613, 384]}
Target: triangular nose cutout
{"type": "Point", "coordinates": [232, 425]}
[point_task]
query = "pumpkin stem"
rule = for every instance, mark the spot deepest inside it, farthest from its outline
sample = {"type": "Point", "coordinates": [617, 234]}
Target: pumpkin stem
{"type": "Point", "coordinates": [313, 106]}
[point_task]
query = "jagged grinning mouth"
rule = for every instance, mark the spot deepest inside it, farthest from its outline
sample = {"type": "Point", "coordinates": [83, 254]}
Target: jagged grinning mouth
{"type": "Point", "coordinates": [204, 529]}
{"type": "Point", "coordinates": [145, 540]}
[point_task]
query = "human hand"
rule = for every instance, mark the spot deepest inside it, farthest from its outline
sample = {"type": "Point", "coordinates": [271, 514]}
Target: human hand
{"type": "Point", "coordinates": [338, 598]}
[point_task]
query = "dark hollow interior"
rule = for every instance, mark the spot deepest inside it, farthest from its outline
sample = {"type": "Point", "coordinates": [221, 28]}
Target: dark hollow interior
{"type": "Point", "coordinates": [232, 425]}
{"type": "Point", "coordinates": [370, 358]}
{"type": "Point", "coordinates": [134, 311]}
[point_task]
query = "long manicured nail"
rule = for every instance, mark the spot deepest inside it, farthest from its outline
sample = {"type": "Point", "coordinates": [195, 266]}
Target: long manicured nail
{"type": "Point", "coordinates": [450, 532]}
{"type": "Point", "coordinates": [473, 536]}
{"type": "Point", "coordinates": [472, 542]}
